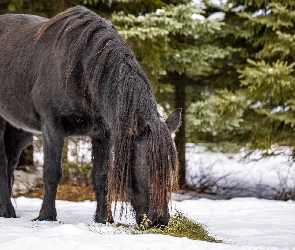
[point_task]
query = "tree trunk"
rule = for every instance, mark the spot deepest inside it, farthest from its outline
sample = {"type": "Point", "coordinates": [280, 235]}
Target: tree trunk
{"type": "Point", "coordinates": [180, 140]}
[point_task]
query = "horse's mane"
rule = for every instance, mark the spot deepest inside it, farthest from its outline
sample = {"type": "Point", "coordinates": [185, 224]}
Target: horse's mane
{"type": "Point", "coordinates": [113, 76]}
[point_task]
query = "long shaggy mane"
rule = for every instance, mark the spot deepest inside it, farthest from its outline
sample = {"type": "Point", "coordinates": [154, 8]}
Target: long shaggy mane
{"type": "Point", "coordinates": [119, 90]}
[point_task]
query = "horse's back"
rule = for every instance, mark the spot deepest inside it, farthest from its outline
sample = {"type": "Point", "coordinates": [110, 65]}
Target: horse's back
{"type": "Point", "coordinates": [17, 20]}
{"type": "Point", "coordinates": [17, 34]}
{"type": "Point", "coordinates": [15, 26]}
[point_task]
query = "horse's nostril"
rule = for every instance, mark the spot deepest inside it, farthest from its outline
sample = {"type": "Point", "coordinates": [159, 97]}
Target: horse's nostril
{"type": "Point", "coordinates": [159, 223]}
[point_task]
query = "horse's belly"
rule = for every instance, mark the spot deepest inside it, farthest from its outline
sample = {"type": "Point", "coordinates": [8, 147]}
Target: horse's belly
{"type": "Point", "coordinates": [32, 127]}
{"type": "Point", "coordinates": [23, 119]}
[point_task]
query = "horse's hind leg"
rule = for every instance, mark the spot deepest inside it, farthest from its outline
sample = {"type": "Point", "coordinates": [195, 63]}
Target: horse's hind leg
{"type": "Point", "coordinates": [100, 154]}
{"type": "Point", "coordinates": [15, 141]}
{"type": "Point", "coordinates": [6, 208]}
{"type": "Point", "coordinates": [12, 141]}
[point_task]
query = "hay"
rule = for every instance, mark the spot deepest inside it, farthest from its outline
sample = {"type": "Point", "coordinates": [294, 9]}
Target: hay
{"type": "Point", "coordinates": [181, 226]}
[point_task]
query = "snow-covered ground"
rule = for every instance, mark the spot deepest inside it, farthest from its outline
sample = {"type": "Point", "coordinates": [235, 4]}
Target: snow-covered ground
{"type": "Point", "coordinates": [242, 223]}
{"type": "Point", "coordinates": [229, 175]}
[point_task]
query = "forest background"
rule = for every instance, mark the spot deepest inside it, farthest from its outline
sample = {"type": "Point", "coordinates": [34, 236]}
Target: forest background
{"type": "Point", "coordinates": [228, 64]}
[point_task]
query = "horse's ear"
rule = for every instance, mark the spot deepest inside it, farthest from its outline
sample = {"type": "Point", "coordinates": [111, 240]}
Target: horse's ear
{"type": "Point", "coordinates": [173, 120]}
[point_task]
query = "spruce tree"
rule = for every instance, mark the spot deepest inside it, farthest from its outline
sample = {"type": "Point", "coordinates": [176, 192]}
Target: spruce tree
{"type": "Point", "coordinates": [259, 80]}
{"type": "Point", "coordinates": [268, 77]}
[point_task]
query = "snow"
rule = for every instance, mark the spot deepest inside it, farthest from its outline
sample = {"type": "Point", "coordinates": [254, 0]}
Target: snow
{"type": "Point", "coordinates": [242, 223]}
{"type": "Point", "coordinates": [238, 8]}
{"type": "Point", "coordinates": [216, 2]}
{"type": "Point", "coordinates": [196, 16]}
{"type": "Point", "coordinates": [217, 16]}
{"type": "Point", "coordinates": [234, 174]}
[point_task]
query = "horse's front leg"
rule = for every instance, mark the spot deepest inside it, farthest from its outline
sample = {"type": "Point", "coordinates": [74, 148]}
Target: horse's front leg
{"type": "Point", "coordinates": [53, 140]}
{"type": "Point", "coordinates": [100, 158]}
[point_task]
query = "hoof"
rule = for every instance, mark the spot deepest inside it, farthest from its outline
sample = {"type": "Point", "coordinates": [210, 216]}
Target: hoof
{"type": "Point", "coordinates": [107, 221]}
{"type": "Point", "coordinates": [39, 218]}
{"type": "Point", "coordinates": [7, 211]}
{"type": "Point", "coordinates": [46, 215]}
{"type": "Point", "coordinates": [8, 215]}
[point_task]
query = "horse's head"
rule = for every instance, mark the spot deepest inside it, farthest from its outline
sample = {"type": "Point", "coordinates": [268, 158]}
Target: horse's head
{"type": "Point", "coordinates": [151, 188]}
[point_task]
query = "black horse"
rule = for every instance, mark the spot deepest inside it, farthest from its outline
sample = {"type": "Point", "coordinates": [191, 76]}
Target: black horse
{"type": "Point", "coordinates": [74, 75]}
